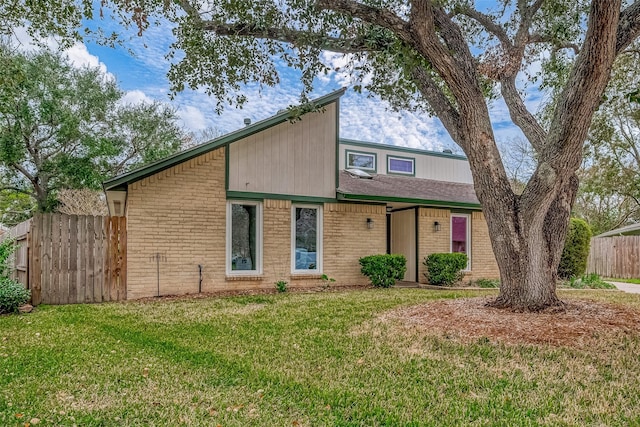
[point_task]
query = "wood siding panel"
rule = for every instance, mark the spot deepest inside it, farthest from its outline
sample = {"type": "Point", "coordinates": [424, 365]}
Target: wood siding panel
{"type": "Point", "coordinates": [426, 166]}
{"type": "Point", "coordinates": [290, 158]}
{"type": "Point", "coordinates": [403, 239]}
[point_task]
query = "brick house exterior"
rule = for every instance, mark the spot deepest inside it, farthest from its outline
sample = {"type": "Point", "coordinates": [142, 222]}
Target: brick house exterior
{"type": "Point", "coordinates": [272, 201]}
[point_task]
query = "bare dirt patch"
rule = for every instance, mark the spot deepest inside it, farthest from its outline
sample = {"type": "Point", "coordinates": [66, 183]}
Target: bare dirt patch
{"type": "Point", "coordinates": [578, 324]}
{"type": "Point", "coordinates": [251, 292]}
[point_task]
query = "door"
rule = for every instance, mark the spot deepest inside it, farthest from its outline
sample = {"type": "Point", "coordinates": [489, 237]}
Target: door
{"type": "Point", "coordinates": [403, 239]}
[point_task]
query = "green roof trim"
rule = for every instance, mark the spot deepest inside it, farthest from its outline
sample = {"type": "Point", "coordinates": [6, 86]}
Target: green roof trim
{"type": "Point", "coordinates": [121, 181]}
{"type": "Point", "coordinates": [292, 197]}
{"type": "Point", "coordinates": [381, 146]}
{"type": "Point", "coordinates": [423, 202]}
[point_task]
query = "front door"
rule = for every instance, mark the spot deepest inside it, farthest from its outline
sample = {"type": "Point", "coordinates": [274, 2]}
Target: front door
{"type": "Point", "coordinates": [403, 239]}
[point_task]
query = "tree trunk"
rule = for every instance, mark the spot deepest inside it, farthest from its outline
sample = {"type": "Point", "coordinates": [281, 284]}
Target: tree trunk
{"type": "Point", "coordinates": [528, 245]}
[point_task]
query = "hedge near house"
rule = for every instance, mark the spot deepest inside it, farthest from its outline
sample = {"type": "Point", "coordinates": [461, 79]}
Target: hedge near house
{"type": "Point", "coordinates": [445, 269]}
{"type": "Point", "coordinates": [384, 270]}
{"type": "Point", "coordinates": [573, 262]}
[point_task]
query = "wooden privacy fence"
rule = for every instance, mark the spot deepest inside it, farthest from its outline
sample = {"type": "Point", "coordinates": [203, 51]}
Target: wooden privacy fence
{"type": "Point", "coordinates": [20, 233]}
{"type": "Point", "coordinates": [615, 257]}
{"type": "Point", "coordinates": [76, 259]}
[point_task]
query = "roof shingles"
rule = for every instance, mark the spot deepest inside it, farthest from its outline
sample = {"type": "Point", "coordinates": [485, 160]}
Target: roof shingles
{"type": "Point", "coordinates": [410, 188]}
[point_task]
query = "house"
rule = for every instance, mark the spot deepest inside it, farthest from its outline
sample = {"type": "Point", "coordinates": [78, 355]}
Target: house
{"type": "Point", "coordinates": [627, 230]}
{"type": "Point", "coordinates": [286, 199]}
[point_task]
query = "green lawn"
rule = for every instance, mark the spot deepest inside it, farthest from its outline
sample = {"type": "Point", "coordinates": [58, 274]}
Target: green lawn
{"type": "Point", "coordinates": [299, 360]}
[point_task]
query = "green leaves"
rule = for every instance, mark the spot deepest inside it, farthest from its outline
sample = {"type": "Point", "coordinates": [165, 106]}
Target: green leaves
{"type": "Point", "coordinates": [383, 270]}
{"type": "Point", "coordinates": [64, 127]}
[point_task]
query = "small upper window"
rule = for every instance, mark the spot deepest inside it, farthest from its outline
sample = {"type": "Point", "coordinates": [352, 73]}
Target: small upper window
{"type": "Point", "coordinates": [364, 161]}
{"type": "Point", "coordinates": [402, 165]}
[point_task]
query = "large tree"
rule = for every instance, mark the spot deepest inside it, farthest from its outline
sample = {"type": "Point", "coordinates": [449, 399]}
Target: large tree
{"type": "Point", "coordinates": [444, 56]}
{"type": "Point", "coordinates": [609, 193]}
{"type": "Point", "coordinates": [66, 127]}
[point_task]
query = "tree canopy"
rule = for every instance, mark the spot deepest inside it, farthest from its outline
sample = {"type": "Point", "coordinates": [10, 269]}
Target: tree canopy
{"type": "Point", "coordinates": [610, 192]}
{"type": "Point", "coordinates": [66, 127]}
{"type": "Point", "coordinates": [443, 56]}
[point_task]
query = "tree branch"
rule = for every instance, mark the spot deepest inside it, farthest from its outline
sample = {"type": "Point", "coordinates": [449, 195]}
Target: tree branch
{"type": "Point", "coordinates": [384, 18]}
{"type": "Point", "coordinates": [23, 171]}
{"type": "Point", "coordinates": [539, 38]}
{"type": "Point", "coordinates": [561, 154]}
{"type": "Point", "coordinates": [520, 115]}
{"type": "Point", "coordinates": [628, 26]}
{"type": "Point", "coordinates": [443, 108]}
{"type": "Point", "coordinates": [286, 35]}
{"type": "Point", "coordinates": [488, 23]}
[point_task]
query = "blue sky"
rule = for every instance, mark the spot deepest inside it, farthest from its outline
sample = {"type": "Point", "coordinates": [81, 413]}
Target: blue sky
{"type": "Point", "coordinates": [143, 76]}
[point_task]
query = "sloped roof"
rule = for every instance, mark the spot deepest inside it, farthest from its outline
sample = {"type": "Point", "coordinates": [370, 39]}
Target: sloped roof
{"type": "Point", "coordinates": [392, 188]}
{"type": "Point", "coordinates": [120, 182]}
{"type": "Point", "coordinates": [628, 230]}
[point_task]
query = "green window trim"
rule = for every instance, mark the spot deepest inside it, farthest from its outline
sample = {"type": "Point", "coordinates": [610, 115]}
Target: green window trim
{"type": "Point", "coordinates": [411, 159]}
{"type": "Point", "coordinates": [362, 153]}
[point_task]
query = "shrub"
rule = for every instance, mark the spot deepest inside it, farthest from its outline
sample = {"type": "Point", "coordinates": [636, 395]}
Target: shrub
{"type": "Point", "coordinates": [281, 286]}
{"type": "Point", "coordinates": [487, 283]}
{"type": "Point", "coordinates": [445, 269]}
{"type": "Point", "coordinates": [12, 295]}
{"type": "Point", "coordinates": [384, 270]}
{"type": "Point", "coordinates": [588, 281]}
{"type": "Point", "coordinates": [7, 248]}
{"type": "Point", "coordinates": [573, 262]}
{"type": "Point", "coordinates": [326, 280]}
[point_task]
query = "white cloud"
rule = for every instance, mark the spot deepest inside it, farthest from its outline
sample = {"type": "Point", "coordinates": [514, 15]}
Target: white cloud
{"type": "Point", "coordinates": [134, 97]}
{"type": "Point", "coordinates": [372, 120]}
{"type": "Point", "coordinates": [192, 118]}
{"type": "Point", "coordinates": [80, 57]}
{"type": "Point", "coordinates": [78, 54]}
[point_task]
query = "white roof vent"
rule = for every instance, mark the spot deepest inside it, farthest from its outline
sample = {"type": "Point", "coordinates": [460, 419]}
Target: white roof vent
{"type": "Point", "coordinates": [359, 173]}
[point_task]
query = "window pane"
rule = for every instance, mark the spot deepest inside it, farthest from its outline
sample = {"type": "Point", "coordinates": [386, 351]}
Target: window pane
{"type": "Point", "coordinates": [364, 161]}
{"type": "Point", "coordinates": [243, 237]}
{"type": "Point", "coordinates": [400, 165]}
{"type": "Point", "coordinates": [306, 238]}
{"type": "Point", "coordinates": [459, 234]}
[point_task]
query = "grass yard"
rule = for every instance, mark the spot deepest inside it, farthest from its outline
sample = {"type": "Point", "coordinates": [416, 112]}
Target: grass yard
{"type": "Point", "coordinates": [323, 359]}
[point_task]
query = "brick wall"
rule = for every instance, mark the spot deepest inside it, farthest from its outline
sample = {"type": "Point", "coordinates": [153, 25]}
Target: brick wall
{"type": "Point", "coordinates": [430, 241]}
{"type": "Point", "coordinates": [178, 217]}
{"type": "Point", "coordinates": [347, 239]}
{"type": "Point", "coordinates": [483, 263]}
{"type": "Point", "coordinates": [179, 214]}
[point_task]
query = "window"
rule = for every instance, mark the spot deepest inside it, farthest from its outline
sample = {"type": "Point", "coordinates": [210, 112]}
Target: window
{"type": "Point", "coordinates": [244, 238]}
{"type": "Point", "coordinates": [306, 239]}
{"type": "Point", "coordinates": [364, 161]}
{"type": "Point", "coordinates": [401, 165]}
{"type": "Point", "coordinates": [460, 236]}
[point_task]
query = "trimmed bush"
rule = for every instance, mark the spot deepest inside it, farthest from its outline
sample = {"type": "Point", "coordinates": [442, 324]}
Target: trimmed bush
{"type": "Point", "coordinates": [445, 269]}
{"type": "Point", "coordinates": [573, 262]}
{"type": "Point", "coordinates": [7, 248]}
{"type": "Point", "coordinates": [383, 270]}
{"type": "Point", "coordinates": [12, 295]}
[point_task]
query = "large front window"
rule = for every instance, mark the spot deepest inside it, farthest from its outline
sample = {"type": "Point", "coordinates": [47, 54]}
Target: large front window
{"type": "Point", "coordinates": [244, 237]}
{"type": "Point", "coordinates": [460, 237]}
{"type": "Point", "coordinates": [306, 239]}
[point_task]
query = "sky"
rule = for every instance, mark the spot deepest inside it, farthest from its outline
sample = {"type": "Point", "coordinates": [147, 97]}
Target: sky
{"type": "Point", "coordinates": [140, 68]}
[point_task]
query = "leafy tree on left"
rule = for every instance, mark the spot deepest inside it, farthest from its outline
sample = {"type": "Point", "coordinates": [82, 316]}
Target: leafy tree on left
{"type": "Point", "coordinates": [66, 127]}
